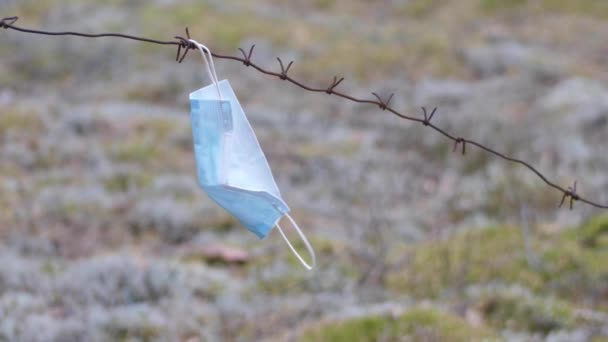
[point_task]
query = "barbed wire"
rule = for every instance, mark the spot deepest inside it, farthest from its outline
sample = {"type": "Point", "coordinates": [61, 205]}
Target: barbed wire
{"type": "Point", "coordinates": [184, 46]}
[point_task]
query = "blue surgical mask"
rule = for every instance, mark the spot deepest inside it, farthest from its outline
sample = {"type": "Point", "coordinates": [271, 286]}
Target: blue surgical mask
{"type": "Point", "coordinates": [231, 166]}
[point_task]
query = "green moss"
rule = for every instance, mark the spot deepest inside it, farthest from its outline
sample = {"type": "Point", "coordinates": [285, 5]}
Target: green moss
{"type": "Point", "coordinates": [501, 5]}
{"type": "Point", "coordinates": [591, 8]}
{"type": "Point", "coordinates": [475, 162]}
{"type": "Point", "coordinates": [312, 150]}
{"type": "Point", "coordinates": [49, 268]}
{"type": "Point", "coordinates": [594, 232]}
{"type": "Point", "coordinates": [31, 12]}
{"type": "Point", "coordinates": [147, 144]}
{"type": "Point", "coordinates": [123, 181]}
{"type": "Point", "coordinates": [136, 151]}
{"type": "Point", "coordinates": [68, 210]}
{"type": "Point", "coordinates": [297, 280]}
{"type": "Point", "coordinates": [390, 48]}
{"type": "Point", "coordinates": [15, 119]}
{"type": "Point", "coordinates": [418, 324]}
{"type": "Point", "coordinates": [324, 4]}
{"type": "Point", "coordinates": [52, 180]}
{"type": "Point", "coordinates": [73, 210]}
{"type": "Point", "coordinates": [221, 30]}
{"type": "Point", "coordinates": [324, 248]}
{"type": "Point", "coordinates": [498, 201]}
{"type": "Point", "coordinates": [292, 283]}
{"type": "Point", "coordinates": [594, 8]}
{"type": "Point", "coordinates": [145, 332]}
{"type": "Point", "coordinates": [418, 8]}
{"type": "Point", "coordinates": [226, 223]}
{"type": "Point", "coordinates": [566, 268]}
{"type": "Point", "coordinates": [167, 91]}
{"type": "Point", "coordinates": [487, 255]}
{"type": "Point", "coordinates": [518, 312]}
{"type": "Point", "coordinates": [160, 127]}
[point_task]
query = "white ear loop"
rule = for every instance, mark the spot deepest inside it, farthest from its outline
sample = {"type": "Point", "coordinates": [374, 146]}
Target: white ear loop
{"type": "Point", "coordinates": [208, 57]}
{"type": "Point", "coordinates": [306, 243]}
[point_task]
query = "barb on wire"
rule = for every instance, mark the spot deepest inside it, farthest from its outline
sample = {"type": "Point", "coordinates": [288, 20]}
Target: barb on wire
{"type": "Point", "coordinates": [383, 104]}
{"type": "Point", "coordinates": [185, 45]}
{"type": "Point", "coordinates": [284, 70]}
{"type": "Point", "coordinates": [247, 57]}
{"type": "Point", "coordinates": [571, 192]}
{"type": "Point", "coordinates": [428, 118]}
{"type": "Point", "coordinates": [334, 84]}
{"type": "Point", "coordinates": [7, 22]}
{"type": "Point", "coordinates": [457, 141]}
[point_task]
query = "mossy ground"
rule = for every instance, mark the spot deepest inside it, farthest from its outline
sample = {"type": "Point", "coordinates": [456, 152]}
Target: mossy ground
{"type": "Point", "coordinates": [419, 324]}
{"type": "Point", "coordinates": [565, 263]}
{"type": "Point", "coordinates": [562, 272]}
{"type": "Point", "coordinates": [488, 272]}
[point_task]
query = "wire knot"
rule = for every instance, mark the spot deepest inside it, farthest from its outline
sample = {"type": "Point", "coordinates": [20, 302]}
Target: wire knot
{"type": "Point", "coordinates": [571, 193]}
{"type": "Point", "coordinates": [6, 23]}
{"type": "Point", "coordinates": [247, 57]}
{"type": "Point", "coordinates": [457, 141]}
{"type": "Point", "coordinates": [428, 118]}
{"type": "Point", "coordinates": [284, 70]}
{"type": "Point", "coordinates": [184, 43]}
{"type": "Point", "coordinates": [334, 84]}
{"type": "Point", "coordinates": [382, 103]}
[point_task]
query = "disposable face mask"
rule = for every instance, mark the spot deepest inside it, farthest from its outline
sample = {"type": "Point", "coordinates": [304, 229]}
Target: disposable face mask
{"type": "Point", "coordinates": [231, 166]}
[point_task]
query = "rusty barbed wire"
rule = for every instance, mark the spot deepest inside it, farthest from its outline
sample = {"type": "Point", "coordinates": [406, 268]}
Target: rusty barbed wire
{"type": "Point", "coordinates": [183, 44]}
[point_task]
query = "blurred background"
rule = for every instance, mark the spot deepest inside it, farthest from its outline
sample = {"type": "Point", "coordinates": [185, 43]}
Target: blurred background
{"type": "Point", "coordinates": [105, 235]}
